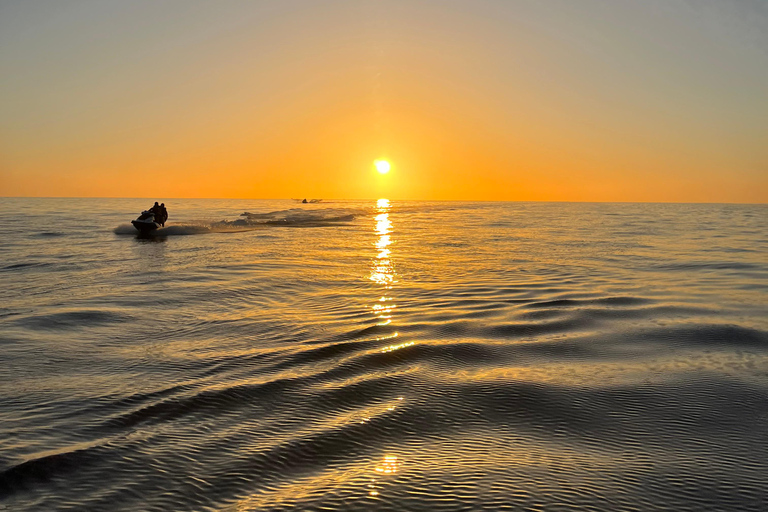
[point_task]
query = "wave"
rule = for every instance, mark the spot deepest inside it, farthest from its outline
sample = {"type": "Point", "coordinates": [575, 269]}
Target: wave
{"type": "Point", "coordinates": [72, 320]}
{"type": "Point", "coordinates": [23, 266]}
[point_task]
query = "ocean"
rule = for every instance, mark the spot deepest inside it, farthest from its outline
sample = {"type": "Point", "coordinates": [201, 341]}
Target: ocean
{"type": "Point", "coordinates": [383, 355]}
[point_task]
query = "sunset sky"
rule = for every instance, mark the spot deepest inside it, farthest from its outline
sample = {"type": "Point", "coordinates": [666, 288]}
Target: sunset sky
{"type": "Point", "coordinates": [555, 100]}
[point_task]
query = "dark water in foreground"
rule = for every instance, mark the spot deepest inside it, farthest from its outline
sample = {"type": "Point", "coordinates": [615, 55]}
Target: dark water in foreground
{"type": "Point", "coordinates": [355, 356]}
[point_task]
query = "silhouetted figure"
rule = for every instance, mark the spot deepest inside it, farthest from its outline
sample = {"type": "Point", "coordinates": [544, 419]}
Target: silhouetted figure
{"type": "Point", "coordinates": [305, 200]}
{"type": "Point", "coordinates": [163, 214]}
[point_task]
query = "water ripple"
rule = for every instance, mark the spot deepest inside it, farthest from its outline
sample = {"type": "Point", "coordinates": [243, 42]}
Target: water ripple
{"type": "Point", "coordinates": [542, 357]}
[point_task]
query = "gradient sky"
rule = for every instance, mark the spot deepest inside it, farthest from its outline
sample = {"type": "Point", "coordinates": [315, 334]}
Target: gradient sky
{"type": "Point", "coordinates": [557, 100]}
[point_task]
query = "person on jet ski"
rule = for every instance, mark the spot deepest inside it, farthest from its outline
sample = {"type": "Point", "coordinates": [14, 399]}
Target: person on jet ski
{"type": "Point", "coordinates": [163, 214]}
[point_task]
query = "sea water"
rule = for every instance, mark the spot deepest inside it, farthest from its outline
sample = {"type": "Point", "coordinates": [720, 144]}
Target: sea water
{"type": "Point", "coordinates": [383, 355]}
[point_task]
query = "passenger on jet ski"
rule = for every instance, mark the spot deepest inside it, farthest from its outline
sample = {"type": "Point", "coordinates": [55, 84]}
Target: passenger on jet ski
{"type": "Point", "coordinates": [160, 213]}
{"type": "Point", "coordinates": [163, 215]}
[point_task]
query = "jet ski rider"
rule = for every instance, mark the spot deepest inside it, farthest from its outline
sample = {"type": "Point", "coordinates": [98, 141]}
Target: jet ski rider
{"type": "Point", "coordinates": [160, 213]}
{"type": "Point", "coordinates": [163, 214]}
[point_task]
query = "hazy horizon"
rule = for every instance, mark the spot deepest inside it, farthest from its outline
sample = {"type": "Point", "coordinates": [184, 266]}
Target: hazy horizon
{"type": "Point", "coordinates": [374, 199]}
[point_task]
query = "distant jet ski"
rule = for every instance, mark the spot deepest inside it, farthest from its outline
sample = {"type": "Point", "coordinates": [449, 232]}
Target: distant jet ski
{"type": "Point", "coordinates": [146, 222]}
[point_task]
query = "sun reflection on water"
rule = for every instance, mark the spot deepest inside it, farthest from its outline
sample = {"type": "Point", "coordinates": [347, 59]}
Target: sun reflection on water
{"type": "Point", "coordinates": [382, 269]}
{"type": "Point", "coordinates": [383, 273]}
{"type": "Point", "coordinates": [388, 465]}
{"type": "Point", "coordinates": [392, 348]}
{"type": "Point", "coordinates": [383, 224]}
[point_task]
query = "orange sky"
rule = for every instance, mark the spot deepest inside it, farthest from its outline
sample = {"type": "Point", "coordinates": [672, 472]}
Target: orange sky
{"type": "Point", "coordinates": [487, 100]}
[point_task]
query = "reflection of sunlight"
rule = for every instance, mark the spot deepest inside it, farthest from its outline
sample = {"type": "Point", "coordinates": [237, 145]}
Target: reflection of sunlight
{"type": "Point", "coordinates": [382, 271]}
{"type": "Point", "coordinates": [399, 399]}
{"type": "Point", "coordinates": [389, 465]}
{"type": "Point", "coordinates": [383, 224]}
{"type": "Point", "coordinates": [382, 310]}
{"type": "Point", "coordinates": [382, 276]}
{"type": "Point", "coordinates": [392, 348]}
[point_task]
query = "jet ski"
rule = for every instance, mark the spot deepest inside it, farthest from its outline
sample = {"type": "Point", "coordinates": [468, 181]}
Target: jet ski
{"type": "Point", "coordinates": [146, 222]}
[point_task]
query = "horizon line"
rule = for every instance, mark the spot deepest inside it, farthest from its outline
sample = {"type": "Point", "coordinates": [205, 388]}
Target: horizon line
{"type": "Point", "coordinates": [390, 199]}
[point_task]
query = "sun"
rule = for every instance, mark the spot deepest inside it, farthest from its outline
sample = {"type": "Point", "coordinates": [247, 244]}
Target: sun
{"type": "Point", "coordinates": [382, 166]}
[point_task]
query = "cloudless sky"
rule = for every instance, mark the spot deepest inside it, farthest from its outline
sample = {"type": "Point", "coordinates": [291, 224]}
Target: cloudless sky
{"type": "Point", "coordinates": [562, 100]}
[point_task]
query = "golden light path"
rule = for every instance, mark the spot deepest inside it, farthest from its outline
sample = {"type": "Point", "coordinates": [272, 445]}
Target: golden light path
{"type": "Point", "coordinates": [383, 273]}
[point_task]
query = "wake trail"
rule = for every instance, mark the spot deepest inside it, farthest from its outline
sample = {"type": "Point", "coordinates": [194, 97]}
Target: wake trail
{"type": "Point", "coordinates": [294, 217]}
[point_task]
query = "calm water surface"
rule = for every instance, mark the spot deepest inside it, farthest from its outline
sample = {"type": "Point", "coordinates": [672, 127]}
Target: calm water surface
{"type": "Point", "coordinates": [383, 356]}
